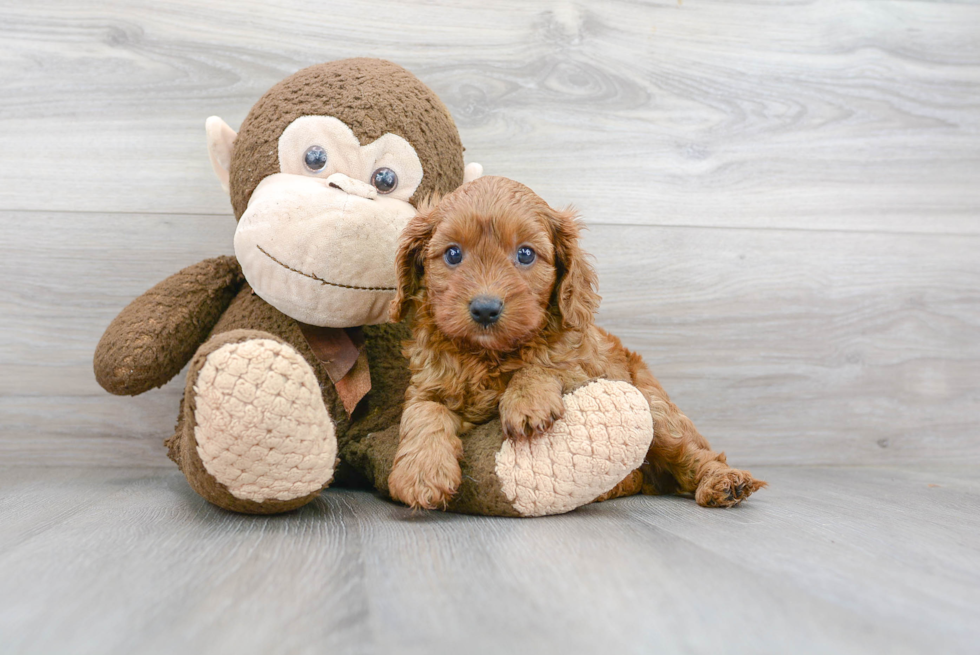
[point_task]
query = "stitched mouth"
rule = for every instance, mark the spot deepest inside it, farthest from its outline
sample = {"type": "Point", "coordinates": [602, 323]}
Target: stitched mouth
{"type": "Point", "coordinates": [321, 280]}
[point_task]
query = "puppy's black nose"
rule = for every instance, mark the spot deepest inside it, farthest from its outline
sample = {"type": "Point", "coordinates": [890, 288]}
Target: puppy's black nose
{"type": "Point", "coordinates": [485, 310]}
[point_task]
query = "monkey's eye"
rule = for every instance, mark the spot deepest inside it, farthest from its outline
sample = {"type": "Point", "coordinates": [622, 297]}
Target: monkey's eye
{"type": "Point", "coordinates": [453, 255]}
{"type": "Point", "coordinates": [315, 158]}
{"type": "Point", "coordinates": [525, 255]}
{"type": "Point", "coordinates": [384, 180]}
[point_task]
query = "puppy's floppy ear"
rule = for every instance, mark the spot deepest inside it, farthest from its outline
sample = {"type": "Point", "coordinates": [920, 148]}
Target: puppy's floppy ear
{"type": "Point", "coordinates": [410, 264]}
{"type": "Point", "coordinates": [575, 293]}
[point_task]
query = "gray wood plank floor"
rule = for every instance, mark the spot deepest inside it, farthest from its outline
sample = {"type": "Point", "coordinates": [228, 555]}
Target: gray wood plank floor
{"type": "Point", "coordinates": [842, 560]}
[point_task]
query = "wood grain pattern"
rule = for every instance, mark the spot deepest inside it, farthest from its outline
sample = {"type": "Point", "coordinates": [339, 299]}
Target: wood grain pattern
{"type": "Point", "coordinates": [784, 346]}
{"type": "Point", "coordinates": [785, 209]}
{"type": "Point", "coordinates": [784, 196]}
{"type": "Point", "coordinates": [123, 561]}
{"type": "Point", "coordinates": [823, 114]}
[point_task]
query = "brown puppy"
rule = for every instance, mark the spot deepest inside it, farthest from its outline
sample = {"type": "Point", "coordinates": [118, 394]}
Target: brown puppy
{"type": "Point", "coordinates": [503, 301]}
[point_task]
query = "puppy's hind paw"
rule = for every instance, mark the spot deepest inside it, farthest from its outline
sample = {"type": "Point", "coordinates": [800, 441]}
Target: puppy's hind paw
{"type": "Point", "coordinates": [726, 488]}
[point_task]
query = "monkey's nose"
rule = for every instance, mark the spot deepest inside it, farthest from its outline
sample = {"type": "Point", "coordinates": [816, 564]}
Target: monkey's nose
{"type": "Point", "coordinates": [485, 310]}
{"type": "Point", "coordinates": [352, 186]}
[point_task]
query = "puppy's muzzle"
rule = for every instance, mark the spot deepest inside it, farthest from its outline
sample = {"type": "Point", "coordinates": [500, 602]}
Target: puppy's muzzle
{"type": "Point", "coordinates": [486, 310]}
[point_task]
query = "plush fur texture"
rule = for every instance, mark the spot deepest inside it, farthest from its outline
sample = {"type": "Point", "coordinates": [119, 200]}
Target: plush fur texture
{"type": "Point", "coordinates": [544, 344]}
{"type": "Point", "coordinates": [206, 311]}
{"type": "Point", "coordinates": [372, 97]}
{"type": "Point", "coordinates": [156, 335]}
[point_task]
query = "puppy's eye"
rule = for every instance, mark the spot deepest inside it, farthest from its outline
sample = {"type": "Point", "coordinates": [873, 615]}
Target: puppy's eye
{"type": "Point", "coordinates": [315, 158]}
{"type": "Point", "coordinates": [525, 255]}
{"type": "Point", "coordinates": [384, 180]}
{"type": "Point", "coordinates": [453, 255]}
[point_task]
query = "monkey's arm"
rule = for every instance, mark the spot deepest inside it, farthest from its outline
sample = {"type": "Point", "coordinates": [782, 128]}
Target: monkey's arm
{"type": "Point", "coordinates": [155, 335]}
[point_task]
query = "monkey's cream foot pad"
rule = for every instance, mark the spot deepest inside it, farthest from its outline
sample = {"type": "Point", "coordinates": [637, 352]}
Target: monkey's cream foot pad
{"type": "Point", "coordinates": [262, 429]}
{"type": "Point", "coordinates": [604, 435]}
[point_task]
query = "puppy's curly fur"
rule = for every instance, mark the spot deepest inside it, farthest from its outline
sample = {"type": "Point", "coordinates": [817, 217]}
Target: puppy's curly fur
{"type": "Point", "coordinates": [494, 241]}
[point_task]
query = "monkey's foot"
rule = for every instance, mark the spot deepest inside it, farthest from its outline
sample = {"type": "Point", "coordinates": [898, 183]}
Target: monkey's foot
{"type": "Point", "coordinates": [603, 436]}
{"type": "Point", "coordinates": [256, 436]}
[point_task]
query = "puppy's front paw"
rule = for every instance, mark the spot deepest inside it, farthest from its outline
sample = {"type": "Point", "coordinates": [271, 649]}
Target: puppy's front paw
{"type": "Point", "coordinates": [425, 479]}
{"type": "Point", "coordinates": [726, 488]}
{"type": "Point", "coordinates": [530, 413]}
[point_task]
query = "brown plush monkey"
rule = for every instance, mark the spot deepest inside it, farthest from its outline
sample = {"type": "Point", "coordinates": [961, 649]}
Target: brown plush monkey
{"type": "Point", "coordinates": [291, 359]}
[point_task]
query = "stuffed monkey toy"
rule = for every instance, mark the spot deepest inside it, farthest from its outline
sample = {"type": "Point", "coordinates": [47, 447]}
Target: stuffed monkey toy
{"type": "Point", "coordinates": [296, 376]}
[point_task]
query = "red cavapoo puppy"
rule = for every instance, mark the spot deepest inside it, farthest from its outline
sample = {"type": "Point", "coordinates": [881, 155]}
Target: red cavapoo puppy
{"type": "Point", "coordinates": [503, 302]}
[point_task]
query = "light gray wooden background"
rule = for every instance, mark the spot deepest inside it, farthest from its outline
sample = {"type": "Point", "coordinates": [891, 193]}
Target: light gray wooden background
{"type": "Point", "coordinates": [784, 202]}
{"type": "Point", "coordinates": [783, 196]}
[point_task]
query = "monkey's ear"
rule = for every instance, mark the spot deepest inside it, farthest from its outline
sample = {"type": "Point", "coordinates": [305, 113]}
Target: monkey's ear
{"type": "Point", "coordinates": [221, 139]}
{"type": "Point", "coordinates": [575, 293]}
{"type": "Point", "coordinates": [472, 171]}
{"type": "Point", "coordinates": [410, 265]}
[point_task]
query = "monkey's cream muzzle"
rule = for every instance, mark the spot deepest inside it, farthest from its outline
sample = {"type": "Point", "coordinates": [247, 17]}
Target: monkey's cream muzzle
{"type": "Point", "coordinates": [322, 251]}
